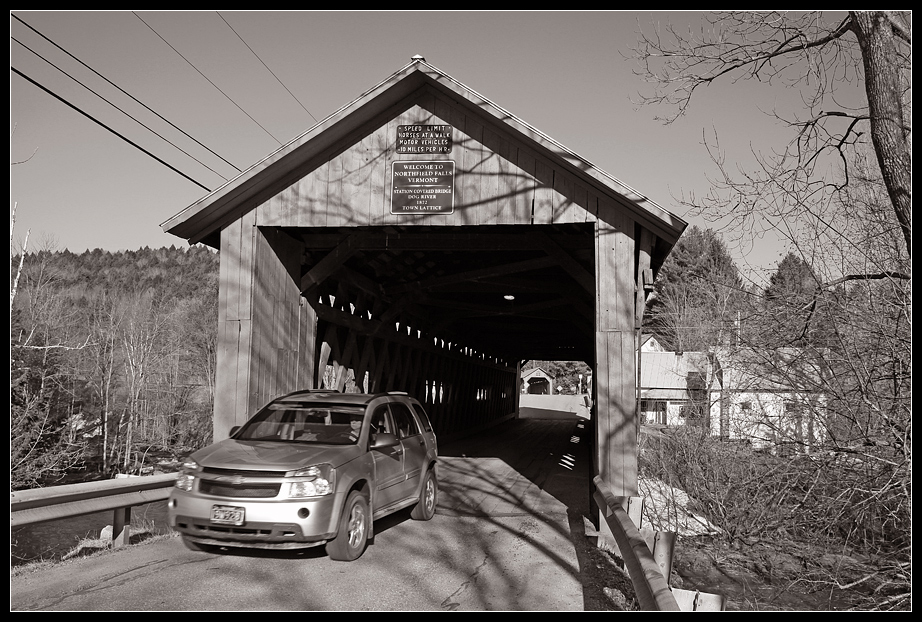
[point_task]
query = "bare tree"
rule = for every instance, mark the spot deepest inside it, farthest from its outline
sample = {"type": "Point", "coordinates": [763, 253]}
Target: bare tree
{"type": "Point", "coordinates": [818, 56]}
{"type": "Point", "coordinates": [840, 193]}
{"type": "Point", "coordinates": [142, 334]}
{"type": "Point", "coordinates": [101, 360]}
{"type": "Point", "coordinates": [41, 335]}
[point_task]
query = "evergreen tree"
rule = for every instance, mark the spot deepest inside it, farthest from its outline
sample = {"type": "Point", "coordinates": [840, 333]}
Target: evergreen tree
{"type": "Point", "coordinates": [795, 313]}
{"type": "Point", "coordinates": [696, 295]}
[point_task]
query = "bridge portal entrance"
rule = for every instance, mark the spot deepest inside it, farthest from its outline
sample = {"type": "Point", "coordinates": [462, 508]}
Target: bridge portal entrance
{"type": "Point", "coordinates": [423, 239]}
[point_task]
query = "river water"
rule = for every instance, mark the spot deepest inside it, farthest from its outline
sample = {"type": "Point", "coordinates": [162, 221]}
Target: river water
{"type": "Point", "coordinates": [54, 539]}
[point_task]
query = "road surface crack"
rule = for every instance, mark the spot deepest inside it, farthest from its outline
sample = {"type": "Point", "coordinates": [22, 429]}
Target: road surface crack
{"type": "Point", "coordinates": [452, 602]}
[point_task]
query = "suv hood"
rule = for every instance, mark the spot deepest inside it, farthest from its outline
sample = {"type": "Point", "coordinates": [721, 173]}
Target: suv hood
{"type": "Point", "coordinates": [272, 456]}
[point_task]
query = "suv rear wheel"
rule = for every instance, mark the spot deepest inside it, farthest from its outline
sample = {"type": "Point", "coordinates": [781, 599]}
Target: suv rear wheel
{"type": "Point", "coordinates": [428, 495]}
{"type": "Point", "coordinates": [350, 541]}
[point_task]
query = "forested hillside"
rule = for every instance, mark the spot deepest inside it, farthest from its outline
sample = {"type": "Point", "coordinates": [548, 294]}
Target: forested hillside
{"type": "Point", "coordinates": [111, 360]}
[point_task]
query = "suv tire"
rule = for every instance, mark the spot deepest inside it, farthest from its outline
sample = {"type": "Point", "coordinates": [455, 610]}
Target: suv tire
{"type": "Point", "coordinates": [428, 497]}
{"type": "Point", "coordinates": [354, 525]}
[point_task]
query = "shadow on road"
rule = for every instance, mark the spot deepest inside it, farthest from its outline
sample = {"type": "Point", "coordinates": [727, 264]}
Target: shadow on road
{"type": "Point", "coordinates": [538, 464]}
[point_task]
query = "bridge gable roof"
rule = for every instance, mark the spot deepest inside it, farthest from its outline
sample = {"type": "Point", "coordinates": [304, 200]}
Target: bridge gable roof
{"type": "Point", "coordinates": [416, 84]}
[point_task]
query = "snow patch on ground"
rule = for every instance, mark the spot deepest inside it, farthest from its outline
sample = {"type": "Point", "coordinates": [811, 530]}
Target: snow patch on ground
{"type": "Point", "coordinates": [665, 508]}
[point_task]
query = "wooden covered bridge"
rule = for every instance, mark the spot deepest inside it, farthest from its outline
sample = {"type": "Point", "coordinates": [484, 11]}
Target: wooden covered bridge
{"type": "Point", "coordinates": [424, 239]}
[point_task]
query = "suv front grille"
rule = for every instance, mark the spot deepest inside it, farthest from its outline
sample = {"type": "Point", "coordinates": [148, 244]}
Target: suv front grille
{"type": "Point", "coordinates": [243, 472]}
{"type": "Point", "coordinates": [251, 490]}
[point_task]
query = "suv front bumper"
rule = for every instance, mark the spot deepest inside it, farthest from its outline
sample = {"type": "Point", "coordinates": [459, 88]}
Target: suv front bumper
{"type": "Point", "coordinates": [267, 523]}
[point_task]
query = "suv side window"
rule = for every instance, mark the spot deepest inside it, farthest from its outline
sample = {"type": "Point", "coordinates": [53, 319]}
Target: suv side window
{"type": "Point", "coordinates": [406, 424]}
{"type": "Point", "coordinates": [423, 417]}
{"type": "Point", "coordinates": [381, 422]}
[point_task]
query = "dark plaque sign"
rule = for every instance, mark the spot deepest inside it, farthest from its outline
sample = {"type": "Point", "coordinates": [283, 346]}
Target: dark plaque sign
{"type": "Point", "coordinates": [423, 187]}
{"type": "Point", "coordinates": [423, 139]}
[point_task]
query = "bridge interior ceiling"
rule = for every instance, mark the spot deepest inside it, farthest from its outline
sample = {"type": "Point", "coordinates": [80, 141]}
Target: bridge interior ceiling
{"type": "Point", "coordinates": [512, 293]}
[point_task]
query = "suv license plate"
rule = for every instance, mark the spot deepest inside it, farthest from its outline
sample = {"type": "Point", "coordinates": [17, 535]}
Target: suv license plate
{"type": "Point", "coordinates": [227, 515]}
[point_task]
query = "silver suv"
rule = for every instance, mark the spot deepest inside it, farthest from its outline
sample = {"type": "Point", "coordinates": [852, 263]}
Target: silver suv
{"type": "Point", "coordinates": [310, 468]}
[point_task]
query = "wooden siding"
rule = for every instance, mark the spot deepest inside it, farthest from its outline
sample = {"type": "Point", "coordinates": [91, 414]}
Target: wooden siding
{"type": "Point", "coordinates": [614, 379]}
{"type": "Point", "coordinates": [265, 332]}
{"type": "Point", "coordinates": [459, 391]}
{"type": "Point", "coordinates": [498, 180]}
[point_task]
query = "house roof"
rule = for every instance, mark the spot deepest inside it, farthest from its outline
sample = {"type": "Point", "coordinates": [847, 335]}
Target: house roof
{"type": "Point", "coordinates": [649, 343]}
{"type": "Point", "coordinates": [203, 220]}
{"type": "Point", "coordinates": [664, 375]}
{"type": "Point", "coordinates": [535, 372]}
{"type": "Point", "coordinates": [773, 370]}
{"type": "Point", "coordinates": [669, 370]}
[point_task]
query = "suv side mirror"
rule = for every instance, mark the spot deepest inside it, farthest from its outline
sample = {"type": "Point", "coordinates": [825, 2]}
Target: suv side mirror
{"type": "Point", "coordinates": [384, 440]}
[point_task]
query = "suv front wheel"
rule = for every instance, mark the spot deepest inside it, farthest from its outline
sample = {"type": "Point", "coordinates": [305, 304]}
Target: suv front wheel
{"type": "Point", "coordinates": [350, 540]}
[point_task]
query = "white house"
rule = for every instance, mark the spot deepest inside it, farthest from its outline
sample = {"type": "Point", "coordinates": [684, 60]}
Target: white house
{"type": "Point", "coordinates": [772, 399]}
{"type": "Point", "coordinates": [678, 388]}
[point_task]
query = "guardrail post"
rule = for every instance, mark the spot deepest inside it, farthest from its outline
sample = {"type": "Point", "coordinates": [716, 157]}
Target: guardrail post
{"type": "Point", "coordinates": [634, 508]}
{"type": "Point", "coordinates": [663, 552]}
{"type": "Point", "coordinates": [693, 600]}
{"type": "Point", "coordinates": [121, 523]}
{"type": "Point", "coordinates": [651, 590]}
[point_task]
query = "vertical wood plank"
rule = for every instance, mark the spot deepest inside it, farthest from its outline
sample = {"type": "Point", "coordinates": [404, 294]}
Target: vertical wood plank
{"type": "Point", "coordinates": [526, 189]}
{"type": "Point", "coordinates": [337, 208]}
{"type": "Point", "coordinates": [491, 203]}
{"type": "Point", "coordinates": [614, 381]}
{"type": "Point", "coordinates": [563, 202]}
{"type": "Point", "coordinates": [312, 206]}
{"type": "Point", "coordinates": [616, 432]}
{"type": "Point", "coordinates": [381, 151]}
{"type": "Point", "coordinates": [474, 156]}
{"type": "Point", "coordinates": [544, 193]}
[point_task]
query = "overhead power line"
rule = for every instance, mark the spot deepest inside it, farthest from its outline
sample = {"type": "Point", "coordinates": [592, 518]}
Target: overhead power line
{"type": "Point", "coordinates": [209, 81]}
{"type": "Point", "coordinates": [151, 130]}
{"type": "Point", "coordinates": [97, 121]}
{"type": "Point", "coordinates": [267, 67]}
{"type": "Point", "coordinates": [131, 96]}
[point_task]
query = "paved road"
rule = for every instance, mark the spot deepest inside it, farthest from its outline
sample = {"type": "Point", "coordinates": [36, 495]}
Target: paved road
{"type": "Point", "coordinates": [506, 537]}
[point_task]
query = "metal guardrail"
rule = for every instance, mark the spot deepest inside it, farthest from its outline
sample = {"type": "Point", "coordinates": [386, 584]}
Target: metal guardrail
{"type": "Point", "coordinates": [645, 566]}
{"type": "Point", "coordinates": [650, 586]}
{"type": "Point", "coordinates": [648, 556]}
{"type": "Point", "coordinates": [119, 495]}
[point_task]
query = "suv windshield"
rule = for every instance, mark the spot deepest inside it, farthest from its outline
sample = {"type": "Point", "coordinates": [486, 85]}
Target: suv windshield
{"type": "Point", "coordinates": [296, 422]}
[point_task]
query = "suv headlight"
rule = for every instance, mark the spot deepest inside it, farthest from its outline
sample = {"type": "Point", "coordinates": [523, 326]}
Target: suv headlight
{"type": "Point", "coordinates": [186, 478]}
{"type": "Point", "coordinates": [314, 481]}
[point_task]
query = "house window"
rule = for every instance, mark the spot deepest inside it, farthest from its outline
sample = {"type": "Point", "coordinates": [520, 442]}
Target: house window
{"type": "Point", "coordinates": [654, 411]}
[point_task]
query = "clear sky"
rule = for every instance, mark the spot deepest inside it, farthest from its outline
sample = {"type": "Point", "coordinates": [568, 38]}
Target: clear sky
{"type": "Point", "coordinates": [242, 83]}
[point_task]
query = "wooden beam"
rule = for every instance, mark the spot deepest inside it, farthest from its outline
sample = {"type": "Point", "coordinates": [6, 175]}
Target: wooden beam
{"type": "Point", "coordinates": [582, 276]}
{"type": "Point", "coordinates": [329, 264]}
{"type": "Point", "coordinates": [474, 275]}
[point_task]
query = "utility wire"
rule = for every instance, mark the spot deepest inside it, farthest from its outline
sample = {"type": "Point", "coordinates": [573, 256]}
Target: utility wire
{"type": "Point", "coordinates": [129, 95]}
{"type": "Point", "coordinates": [93, 119]}
{"type": "Point", "coordinates": [209, 81]}
{"type": "Point", "coordinates": [267, 67]}
{"type": "Point", "coordinates": [155, 133]}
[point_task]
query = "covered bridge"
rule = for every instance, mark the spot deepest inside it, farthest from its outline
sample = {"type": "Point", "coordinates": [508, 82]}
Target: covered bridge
{"type": "Point", "coordinates": [423, 239]}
